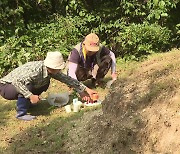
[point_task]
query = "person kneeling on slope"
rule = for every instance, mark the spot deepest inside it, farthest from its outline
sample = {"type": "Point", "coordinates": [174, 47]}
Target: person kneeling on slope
{"type": "Point", "coordinates": [27, 82]}
{"type": "Point", "coordinates": [91, 60]}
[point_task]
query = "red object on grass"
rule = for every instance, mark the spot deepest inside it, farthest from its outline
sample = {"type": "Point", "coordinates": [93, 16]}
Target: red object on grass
{"type": "Point", "coordinates": [95, 97]}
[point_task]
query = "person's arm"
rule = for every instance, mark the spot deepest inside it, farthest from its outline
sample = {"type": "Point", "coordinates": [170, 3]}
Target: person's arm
{"type": "Point", "coordinates": [73, 62]}
{"type": "Point", "coordinates": [78, 86]}
{"type": "Point", "coordinates": [72, 70]}
{"type": "Point", "coordinates": [113, 66]}
{"type": "Point", "coordinates": [22, 89]}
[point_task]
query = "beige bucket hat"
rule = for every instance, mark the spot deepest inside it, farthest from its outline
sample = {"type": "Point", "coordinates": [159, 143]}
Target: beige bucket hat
{"type": "Point", "coordinates": [54, 60]}
{"type": "Point", "coordinates": [91, 42]}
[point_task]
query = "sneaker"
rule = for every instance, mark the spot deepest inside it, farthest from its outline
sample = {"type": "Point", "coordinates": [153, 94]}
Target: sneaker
{"type": "Point", "coordinates": [26, 117]}
{"type": "Point", "coordinates": [109, 83]}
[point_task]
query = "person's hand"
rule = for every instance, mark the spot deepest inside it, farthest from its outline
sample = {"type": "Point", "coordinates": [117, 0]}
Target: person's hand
{"type": "Point", "coordinates": [34, 99]}
{"type": "Point", "coordinates": [114, 76]}
{"type": "Point", "coordinates": [92, 93]}
{"type": "Point", "coordinates": [87, 95]}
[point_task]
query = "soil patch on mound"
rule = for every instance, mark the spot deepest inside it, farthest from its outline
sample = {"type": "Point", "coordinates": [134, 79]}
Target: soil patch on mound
{"type": "Point", "coordinates": [140, 113]}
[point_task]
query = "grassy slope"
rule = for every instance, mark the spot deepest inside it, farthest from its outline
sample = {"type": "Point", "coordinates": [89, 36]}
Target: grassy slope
{"type": "Point", "coordinates": [50, 129]}
{"type": "Point", "coordinates": [55, 131]}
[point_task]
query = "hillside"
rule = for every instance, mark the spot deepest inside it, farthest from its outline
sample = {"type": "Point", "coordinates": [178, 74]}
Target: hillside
{"type": "Point", "coordinates": [140, 114]}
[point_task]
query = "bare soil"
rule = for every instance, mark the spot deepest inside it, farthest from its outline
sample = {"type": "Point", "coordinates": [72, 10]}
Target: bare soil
{"type": "Point", "coordinates": [140, 113]}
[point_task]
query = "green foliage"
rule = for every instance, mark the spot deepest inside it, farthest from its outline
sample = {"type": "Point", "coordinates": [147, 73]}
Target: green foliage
{"type": "Point", "coordinates": [138, 40]}
{"type": "Point", "coordinates": [177, 34]}
{"type": "Point", "coordinates": [159, 9]}
{"type": "Point", "coordinates": [133, 29]}
{"type": "Point", "coordinates": [37, 41]}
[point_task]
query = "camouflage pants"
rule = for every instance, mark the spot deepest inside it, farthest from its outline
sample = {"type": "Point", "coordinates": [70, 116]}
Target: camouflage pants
{"type": "Point", "coordinates": [98, 71]}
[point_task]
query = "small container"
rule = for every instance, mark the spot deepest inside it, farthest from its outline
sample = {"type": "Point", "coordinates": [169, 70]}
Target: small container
{"type": "Point", "coordinates": [59, 99]}
{"type": "Point", "coordinates": [76, 106]}
{"type": "Point", "coordinates": [95, 97]}
{"type": "Point", "coordinates": [68, 108]}
{"type": "Point", "coordinates": [75, 100]}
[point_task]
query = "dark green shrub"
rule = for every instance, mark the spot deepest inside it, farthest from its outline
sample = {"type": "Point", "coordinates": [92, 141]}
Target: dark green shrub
{"type": "Point", "coordinates": [61, 34]}
{"type": "Point", "coordinates": [138, 40]}
{"type": "Point", "coordinates": [133, 29]}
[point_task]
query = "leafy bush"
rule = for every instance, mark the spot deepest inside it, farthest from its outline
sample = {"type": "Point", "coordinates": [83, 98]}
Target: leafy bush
{"type": "Point", "coordinates": [132, 28]}
{"type": "Point", "coordinates": [138, 40]}
{"type": "Point", "coordinates": [60, 34]}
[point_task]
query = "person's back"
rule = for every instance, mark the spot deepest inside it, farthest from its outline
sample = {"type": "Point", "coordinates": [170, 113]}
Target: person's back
{"type": "Point", "coordinates": [23, 71]}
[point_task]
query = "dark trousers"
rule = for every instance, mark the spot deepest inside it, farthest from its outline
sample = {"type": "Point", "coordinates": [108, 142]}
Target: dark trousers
{"type": "Point", "coordinates": [100, 70]}
{"type": "Point", "coordinates": [9, 92]}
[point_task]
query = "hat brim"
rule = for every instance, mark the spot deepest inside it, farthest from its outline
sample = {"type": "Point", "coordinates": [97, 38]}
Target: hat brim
{"type": "Point", "coordinates": [55, 67]}
{"type": "Point", "coordinates": [93, 49]}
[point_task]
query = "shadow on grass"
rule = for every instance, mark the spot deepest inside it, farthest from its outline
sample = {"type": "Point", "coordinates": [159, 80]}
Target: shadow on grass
{"type": "Point", "coordinates": [42, 108]}
{"type": "Point", "coordinates": [5, 108]}
{"type": "Point", "coordinates": [45, 137]}
{"type": "Point", "coordinates": [102, 85]}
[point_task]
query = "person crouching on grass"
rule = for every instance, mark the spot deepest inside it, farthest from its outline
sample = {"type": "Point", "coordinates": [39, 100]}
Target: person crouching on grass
{"type": "Point", "coordinates": [89, 59]}
{"type": "Point", "coordinates": [28, 81]}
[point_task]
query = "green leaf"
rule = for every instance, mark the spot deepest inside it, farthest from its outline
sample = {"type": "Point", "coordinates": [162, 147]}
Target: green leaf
{"type": "Point", "coordinates": [155, 2]}
{"type": "Point", "coordinates": [67, 7]}
{"type": "Point", "coordinates": [27, 54]}
{"type": "Point", "coordinates": [2, 32]}
{"type": "Point", "coordinates": [20, 9]}
{"type": "Point", "coordinates": [81, 13]}
{"type": "Point", "coordinates": [162, 4]}
{"type": "Point", "coordinates": [164, 15]}
{"type": "Point", "coordinates": [16, 31]}
{"type": "Point", "coordinates": [157, 16]}
{"type": "Point", "coordinates": [178, 25]}
{"type": "Point", "coordinates": [28, 43]}
{"type": "Point", "coordinates": [39, 1]}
